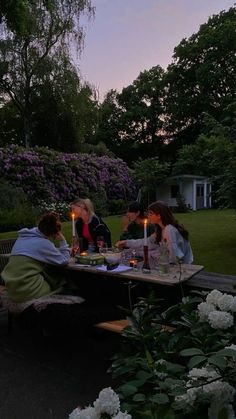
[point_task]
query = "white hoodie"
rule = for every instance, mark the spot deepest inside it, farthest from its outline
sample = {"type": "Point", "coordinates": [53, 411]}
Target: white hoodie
{"type": "Point", "coordinates": [32, 243]}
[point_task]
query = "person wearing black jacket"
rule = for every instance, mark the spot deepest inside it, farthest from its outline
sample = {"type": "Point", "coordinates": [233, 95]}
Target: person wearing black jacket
{"type": "Point", "coordinates": [89, 226]}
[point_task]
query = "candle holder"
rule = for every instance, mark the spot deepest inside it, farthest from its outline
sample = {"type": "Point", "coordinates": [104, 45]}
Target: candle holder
{"type": "Point", "coordinates": [75, 248]}
{"type": "Point", "coordinates": [133, 263]}
{"type": "Point", "coordinates": [146, 267]}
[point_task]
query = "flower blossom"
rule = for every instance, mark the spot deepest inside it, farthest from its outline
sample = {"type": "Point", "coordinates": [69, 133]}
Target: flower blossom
{"type": "Point", "coordinates": [233, 305]}
{"type": "Point", "coordinates": [220, 319]}
{"type": "Point", "coordinates": [219, 390]}
{"type": "Point", "coordinates": [122, 415]}
{"type": "Point", "coordinates": [208, 373]}
{"type": "Point", "coordinates": [87, 413]}
{"type": "Point", "coordinates": [107, 402]}
{"type": "Point", "coordinates": [204, 309]}
{"type": "Point", "coordinates": [188, 398]}
{"type": "Point", "coordinates": [225, 302]}
{"type": "Point", "coordinates": [232, 346]}
{"type": "Point", "coordinates": [213, 297]}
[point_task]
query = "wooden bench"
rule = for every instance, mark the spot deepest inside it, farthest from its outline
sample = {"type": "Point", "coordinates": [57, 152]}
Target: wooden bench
{"type": "Point", "coordinates": [212, 280]}
{"type": "Point", "coordinates": [117, 326]}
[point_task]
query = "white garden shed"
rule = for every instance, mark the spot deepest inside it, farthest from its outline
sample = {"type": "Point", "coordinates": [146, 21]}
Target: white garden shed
{"type": "Point", "coordinates": [196, 191]}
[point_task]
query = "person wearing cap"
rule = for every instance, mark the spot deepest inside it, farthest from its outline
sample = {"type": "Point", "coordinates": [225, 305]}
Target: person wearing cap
{"type": "Point", "coordinates": [133, 223]}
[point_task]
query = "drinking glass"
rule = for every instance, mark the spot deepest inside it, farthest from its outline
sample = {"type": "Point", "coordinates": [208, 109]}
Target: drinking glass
{"type": "Point", "coordinates": [100, 242]}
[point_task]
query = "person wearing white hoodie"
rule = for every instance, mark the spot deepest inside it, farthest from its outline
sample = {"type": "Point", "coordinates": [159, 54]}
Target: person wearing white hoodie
{"type": "Point", "coordinates": [26, 275]}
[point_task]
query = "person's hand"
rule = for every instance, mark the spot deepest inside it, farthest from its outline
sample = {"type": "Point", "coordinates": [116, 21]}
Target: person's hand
{"type": "Point", "coordinates": [121, 243]}
{"type": "Point", "coordinates": [125, 222]}
{"type": "Point", "coordinates": [59, 236]}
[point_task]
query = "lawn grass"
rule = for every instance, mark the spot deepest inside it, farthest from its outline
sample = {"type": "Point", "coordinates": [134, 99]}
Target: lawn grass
{"type": "Point", "coordinates": [212, 236]}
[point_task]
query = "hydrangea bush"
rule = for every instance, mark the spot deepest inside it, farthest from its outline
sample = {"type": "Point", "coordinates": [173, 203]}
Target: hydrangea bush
{"type": "Point", "coordinates": [51, 176]}
{"type": "Point", "coordinates": [187, 370]}
{"type": "Point", "coordinates": [106, 406]}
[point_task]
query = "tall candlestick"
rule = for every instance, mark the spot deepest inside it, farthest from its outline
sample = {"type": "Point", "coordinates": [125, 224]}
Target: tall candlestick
{"type": "Point", "coordinates": [73, 224]}
{"type": "Point", "coordinates": [145, 232]}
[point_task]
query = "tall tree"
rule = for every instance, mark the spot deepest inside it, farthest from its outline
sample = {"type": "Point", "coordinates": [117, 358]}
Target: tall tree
{"type": "Point", "coordinates": [202, 77]}
{"type": "Point", "coordinates": [131, 122]}
{"type": "Point", "coordinates": [49, 27]}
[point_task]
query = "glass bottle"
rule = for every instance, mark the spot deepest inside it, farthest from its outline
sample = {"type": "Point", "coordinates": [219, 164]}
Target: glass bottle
{"type": "Point", "coordinates": [163, 262]}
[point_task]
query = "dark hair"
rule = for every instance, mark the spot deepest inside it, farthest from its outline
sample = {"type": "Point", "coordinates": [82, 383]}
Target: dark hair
{"type": "Point", "coordinates": [136, 207]}
{"type": "Point", "coordinates": [49, 224]}
{"type": "Point", "coordinates": [167, 217]}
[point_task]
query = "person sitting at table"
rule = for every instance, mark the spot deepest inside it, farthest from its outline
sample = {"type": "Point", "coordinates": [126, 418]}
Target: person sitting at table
{"type": "Point", "coordinates": [167, 230]}
{"type": "Point", "coordinates": [89, 226]}
{"type": "Point", "coordinates": [27, 274]}
{"type": "Point", "coordinates": [133, 223]}
{"type": "Point", "coordinates": [39, 294]}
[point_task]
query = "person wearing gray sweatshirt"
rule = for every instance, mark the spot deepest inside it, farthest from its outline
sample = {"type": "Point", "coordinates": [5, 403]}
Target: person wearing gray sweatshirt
{"type": "Point", "coordinates": [26, 275]}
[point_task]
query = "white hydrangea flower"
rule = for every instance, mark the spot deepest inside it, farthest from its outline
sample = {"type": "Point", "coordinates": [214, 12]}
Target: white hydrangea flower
{"type": "Point", "coordinates": [232, 346]}
{"type": "Point", "coordinates": [121, 415]}
{"type": "Point", "coordinates": [107, 402]}
{"type": "Point", "coordinates": [87, 413]}
{"type": "Point", "coordinates": [75, 413]}
{"type": "Point", "coordinates": [220, 319]}
{"type": "Point", "coordinates": [233, 305]}
{"type": "Point", "coordinates": [225, 302]}
{"type": "Point", "coordinates": [188, 398]}
{"type": "Point", "coordinates": [219, 390]}
{"type": "Point", "coordinates": [213, 297]}
{"type": "Point", "coordinates": [160, 362]}
{"type": "Point", "coordinates": [215, 408]}
{"type": "Point", "coordinates": [204, 309]}
{"type": "Point", "coordinates": [208, 373]}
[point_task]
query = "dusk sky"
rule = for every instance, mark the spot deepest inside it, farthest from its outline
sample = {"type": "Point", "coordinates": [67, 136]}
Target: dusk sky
{"type": "Point", "coordinates": [129, 36]}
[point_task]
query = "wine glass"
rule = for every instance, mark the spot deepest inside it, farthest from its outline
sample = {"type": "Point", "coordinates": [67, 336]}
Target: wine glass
{"type": "Point", "coordinates": [100, 243]}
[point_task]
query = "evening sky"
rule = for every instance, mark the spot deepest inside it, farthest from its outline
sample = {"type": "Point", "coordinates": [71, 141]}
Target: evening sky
{"type": "Point", "coordinates": [129, 36]}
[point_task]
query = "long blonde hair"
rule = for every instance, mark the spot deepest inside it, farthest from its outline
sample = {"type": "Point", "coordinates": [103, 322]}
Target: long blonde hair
{"type": "Point", "coordinates": [86, 203]}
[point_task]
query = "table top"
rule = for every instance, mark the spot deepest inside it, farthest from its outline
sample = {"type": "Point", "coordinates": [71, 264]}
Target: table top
{"type": "Point", "coordinates": [177, 274]}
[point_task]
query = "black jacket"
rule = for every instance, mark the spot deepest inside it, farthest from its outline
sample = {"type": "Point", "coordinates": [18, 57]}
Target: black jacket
{"type": "Point", "coordinates": [97, 227]}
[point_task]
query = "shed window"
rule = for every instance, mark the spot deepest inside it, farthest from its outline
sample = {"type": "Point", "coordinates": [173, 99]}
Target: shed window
{"type": "Point", "coordinates": [174, 191]}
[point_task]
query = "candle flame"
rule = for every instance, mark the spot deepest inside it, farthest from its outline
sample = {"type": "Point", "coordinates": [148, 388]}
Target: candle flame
{"type": "Point", "coordinates": [72, 215]}
{"type": "Point", "coordinates": [145, 221]}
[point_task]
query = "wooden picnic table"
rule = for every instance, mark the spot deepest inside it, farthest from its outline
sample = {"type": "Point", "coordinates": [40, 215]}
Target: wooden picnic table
{"type": "Point", "coordinates": [177, 274]}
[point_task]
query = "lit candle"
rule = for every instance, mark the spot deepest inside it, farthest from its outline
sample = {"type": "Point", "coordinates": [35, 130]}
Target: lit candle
{"type": "Point", "coordinates": [145, 232]}
{"type": "Point", "coordinates": [73, 224]}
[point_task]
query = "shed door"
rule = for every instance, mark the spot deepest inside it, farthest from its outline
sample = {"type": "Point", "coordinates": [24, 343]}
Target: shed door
{"type": "Point", "coordinates": [200, 196]}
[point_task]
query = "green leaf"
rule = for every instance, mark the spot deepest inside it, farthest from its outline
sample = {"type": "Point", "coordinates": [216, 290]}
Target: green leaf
{"type": "Point", "coordinates": [128, 389]}
{"type": "Point", "coordinates": [143, 375]}
{"type": "Point", "coordinates": [139, 397]}
{"type": "Point", "coordinates": [159, 398]}
{"type": "Point", "coordinates": [227, 352]}
{"type": "Point", "coordinates": [191, 352]}
{"type": "Point", "coordinates": [196, 360]}
{"type": "Point", "coordinates": [219, 361]}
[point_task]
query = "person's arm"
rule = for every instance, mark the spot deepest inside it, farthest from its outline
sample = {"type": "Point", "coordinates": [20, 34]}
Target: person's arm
{"type": "Point", "coordinates": [174, 243]}
{"type": "Point", "coordinates": [56, 255]}
{"type": "Point", "coordinates": [127, 233]}
{"type": "Point", "coordinates": [134, 244]}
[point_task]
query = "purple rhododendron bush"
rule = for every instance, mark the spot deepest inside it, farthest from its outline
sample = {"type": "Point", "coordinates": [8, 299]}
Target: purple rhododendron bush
{"type": "Point", "coordinates": [52, 176]}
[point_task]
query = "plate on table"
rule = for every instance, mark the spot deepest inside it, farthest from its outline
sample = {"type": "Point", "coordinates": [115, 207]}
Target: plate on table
{"type": "Point", "coordinates": [118, 269]}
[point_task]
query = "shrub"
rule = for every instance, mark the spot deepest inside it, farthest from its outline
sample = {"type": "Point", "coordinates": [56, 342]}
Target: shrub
{"type": "Point", "coordinates": [56, 177]}
{"type": "Point", "coordinates": [15, 210]}
{"type": "Point", "coordinates": [184, 372]}
{"type": "Point", "coordinates": [117, 206]}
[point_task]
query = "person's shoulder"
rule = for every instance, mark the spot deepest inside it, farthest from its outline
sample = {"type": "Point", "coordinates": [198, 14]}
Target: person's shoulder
{"type": "Point", "coordinates": [169, 228]}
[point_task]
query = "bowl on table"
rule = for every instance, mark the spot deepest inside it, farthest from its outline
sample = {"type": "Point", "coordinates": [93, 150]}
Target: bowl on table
{"type": "Point", "coordinates": [112, 257]}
